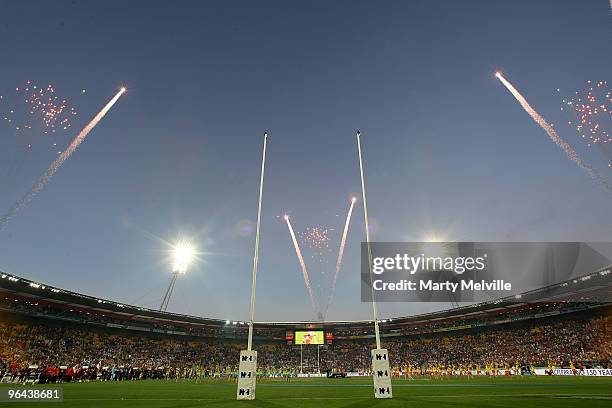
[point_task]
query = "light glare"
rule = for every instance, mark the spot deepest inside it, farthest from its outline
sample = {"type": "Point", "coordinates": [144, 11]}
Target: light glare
{"type": "Point", "coordinates": [183, 254]}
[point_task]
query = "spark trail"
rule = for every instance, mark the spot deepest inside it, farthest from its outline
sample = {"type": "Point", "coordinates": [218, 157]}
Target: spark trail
{"type": "Point", "coordinates": [552, 133]}
{"type": "Point", "coordinates": [302, 263]}
{"type": "Point", "coordinates": [47, 175]}
{"type": "Point", "coordinates": [340, 254]}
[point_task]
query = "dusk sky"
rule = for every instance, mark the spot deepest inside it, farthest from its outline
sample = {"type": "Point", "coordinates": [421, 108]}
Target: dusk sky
{"type": "Point", "coordinates": [449, 153]}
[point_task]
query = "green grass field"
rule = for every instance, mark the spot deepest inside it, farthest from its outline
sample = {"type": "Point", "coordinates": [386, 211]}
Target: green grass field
{"type": "Point", "coordinates": [538, 392]}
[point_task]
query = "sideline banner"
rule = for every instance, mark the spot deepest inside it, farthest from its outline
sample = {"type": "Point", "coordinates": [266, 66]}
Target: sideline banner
{"type": "Point", "coordinates": [587, 372]}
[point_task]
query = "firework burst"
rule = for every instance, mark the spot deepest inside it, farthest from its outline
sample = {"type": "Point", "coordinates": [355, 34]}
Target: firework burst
{"type": "Point", "coordinates": [298, 252]}
{"type": "Point", "coordinates": [552, 133]}
{"type": "Point", "coordinates": [47, 175]}
{"type": "Point", "coordinates": [590, 110]}
{"type": "Point", "coordinates": [340, 254]}
{"type": "Point", "coordinates": [317, 240]}
{"type": "Point", "coordinates": [37, 107]}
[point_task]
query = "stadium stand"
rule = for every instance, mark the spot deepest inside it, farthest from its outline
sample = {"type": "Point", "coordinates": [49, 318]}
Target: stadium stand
{"type": "Point", "coordinates": [49, 334]}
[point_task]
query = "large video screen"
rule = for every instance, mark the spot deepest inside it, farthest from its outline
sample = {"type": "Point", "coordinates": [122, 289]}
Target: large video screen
{"type": "Point", "coordinates": [309, 337]}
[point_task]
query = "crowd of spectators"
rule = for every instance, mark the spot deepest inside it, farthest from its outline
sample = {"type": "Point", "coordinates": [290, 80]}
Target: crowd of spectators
{"type": "Point", "coordinates": [54, 352]}
{"type": "Point", "coordinates": [31, 307]}
{"type": "Point", "coordinates": [238, 330]}
{"type": "Point", "coordinates": [422, 325]}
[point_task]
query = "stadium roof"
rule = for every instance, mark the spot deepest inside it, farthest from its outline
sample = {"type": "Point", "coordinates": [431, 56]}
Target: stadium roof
{"type": "Point", "coordinates": [595, 287]}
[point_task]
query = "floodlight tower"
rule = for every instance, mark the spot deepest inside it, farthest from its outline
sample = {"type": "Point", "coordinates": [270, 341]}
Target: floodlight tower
{"type": "Point", "coordinates": [182, 255]}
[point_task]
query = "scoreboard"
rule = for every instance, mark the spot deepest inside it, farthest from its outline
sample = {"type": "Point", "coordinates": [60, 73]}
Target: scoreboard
{"type": "Point", "coordinates": [309, 337]}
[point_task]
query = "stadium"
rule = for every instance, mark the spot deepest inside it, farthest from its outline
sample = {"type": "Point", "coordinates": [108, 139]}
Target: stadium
{"type": "Point", "coordinates": [184, 219]}
{"type": "Point", "coordinates": [545, 345]}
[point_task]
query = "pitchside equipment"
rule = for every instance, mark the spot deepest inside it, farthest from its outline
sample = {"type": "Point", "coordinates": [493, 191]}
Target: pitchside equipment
{"type": "Point", "coordinates": [382, 374]}
{"type": "Point", "coordinates": [247, 374]}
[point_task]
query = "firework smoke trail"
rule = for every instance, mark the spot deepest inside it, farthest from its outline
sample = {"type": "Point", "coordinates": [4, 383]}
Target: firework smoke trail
{"type": "Point", "coordinates": [340, 254]}
{"type": "Point", "coordinates": [46, 177]}
{"type": "Point", "coordinates": [552, 133]}
{"type": "Point", "coordinates": [302, 264]}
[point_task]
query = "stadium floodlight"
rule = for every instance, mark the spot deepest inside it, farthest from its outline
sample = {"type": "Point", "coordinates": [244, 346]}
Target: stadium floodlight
{"type": "Point", "coordinates": [182, 254]}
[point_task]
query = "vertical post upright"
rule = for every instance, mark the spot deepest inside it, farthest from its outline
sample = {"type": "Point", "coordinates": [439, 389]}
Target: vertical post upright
{"type": "Point", "coordinates": [380, 357]}
{"type": "Point", "coordinates": [247, 370]}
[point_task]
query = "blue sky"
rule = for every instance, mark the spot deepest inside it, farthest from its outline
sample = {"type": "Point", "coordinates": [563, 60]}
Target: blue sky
{"type": "Point", "coordinates": [448, 152]}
